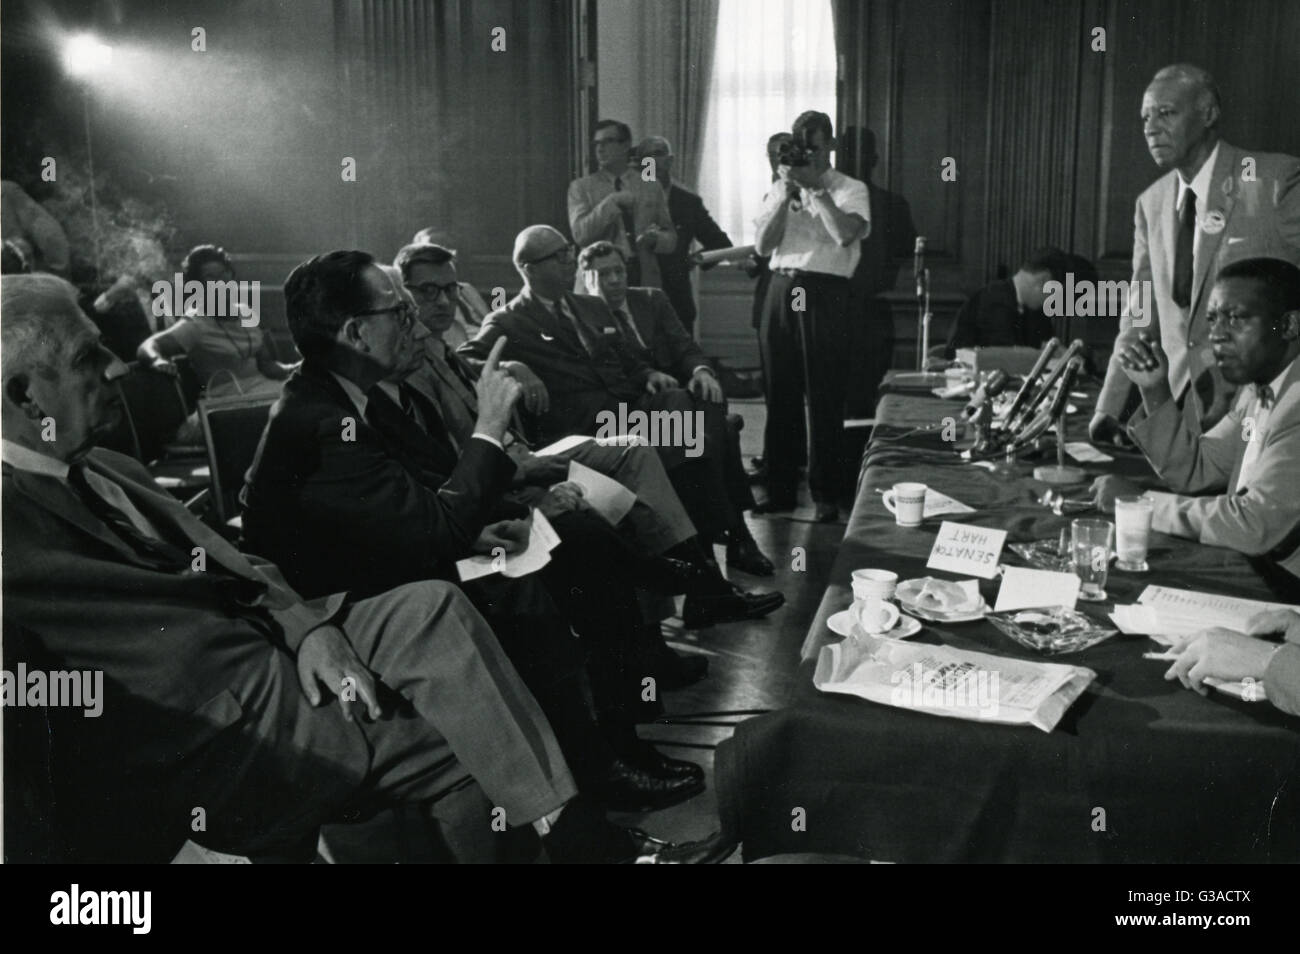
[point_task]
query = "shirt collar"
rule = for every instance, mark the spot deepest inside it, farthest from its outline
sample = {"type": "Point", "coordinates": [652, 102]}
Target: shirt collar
{"type": "Point", "coordinates": [1200, 183]}
{"type": "Point", "coordinates": [24, 458]}
{"type": "Point", "coordinates": [1276, 384]}
{"type": "Point", "coordinates": [358, 397]}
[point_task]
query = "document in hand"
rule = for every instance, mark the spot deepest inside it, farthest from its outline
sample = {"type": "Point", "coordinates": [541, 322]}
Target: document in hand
{"type": "Point", "coordinates": [951, 682]}
{"type": "Point", "coordinates": [1169, 614]}
{"type": "Point", "coordinates": [541, 541]}
{"type": "Point", "coordinates": [607, 496]}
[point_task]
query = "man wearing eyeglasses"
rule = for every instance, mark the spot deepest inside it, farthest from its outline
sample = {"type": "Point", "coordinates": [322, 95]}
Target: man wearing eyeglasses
{"type": "Point", "coordinates": [1235, 485]}
{"type": "Point", "coordinates": [617, 204]}
{"type": "Point", "coordinates": [357, 462]}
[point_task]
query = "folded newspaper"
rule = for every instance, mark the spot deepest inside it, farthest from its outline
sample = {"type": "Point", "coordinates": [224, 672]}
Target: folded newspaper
{"type": "Point", "coordinates": [951, 682]}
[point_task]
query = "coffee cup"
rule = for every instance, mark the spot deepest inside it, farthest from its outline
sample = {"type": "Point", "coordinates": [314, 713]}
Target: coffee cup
{"type": "Point", "coordinates": [906, 502]}
{"type": "Point", "coordinates": [867, 583]}
{"type": "Point", "coordinates": [875, 615]}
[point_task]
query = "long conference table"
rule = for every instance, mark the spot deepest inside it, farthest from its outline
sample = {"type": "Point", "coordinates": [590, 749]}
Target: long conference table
{"type": "Point", "coordinates": [1138, 770]}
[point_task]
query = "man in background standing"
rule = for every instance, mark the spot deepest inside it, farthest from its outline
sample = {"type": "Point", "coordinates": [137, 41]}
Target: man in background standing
{"type": "Point", "coordinates": [692, 222]}
{"type": "Point", "coordinates": [615, 204]}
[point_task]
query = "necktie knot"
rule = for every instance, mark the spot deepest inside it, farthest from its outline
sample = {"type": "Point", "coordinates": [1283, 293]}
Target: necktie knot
{"type": "Point", "coordinates": [1265, 394]}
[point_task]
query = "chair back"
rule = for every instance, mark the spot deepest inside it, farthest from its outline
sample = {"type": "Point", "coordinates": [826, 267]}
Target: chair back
{"type": "Point", "coordinates": [232, 429]}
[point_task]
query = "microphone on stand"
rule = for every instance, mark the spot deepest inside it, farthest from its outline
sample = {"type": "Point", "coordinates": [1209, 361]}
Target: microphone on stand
{"type": "Point", "coordinates": [997, 383]}
{"type": "Point", "coordinates": [918, 266]}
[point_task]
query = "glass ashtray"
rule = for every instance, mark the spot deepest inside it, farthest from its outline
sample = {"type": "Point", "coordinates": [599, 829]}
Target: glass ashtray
{"type": "Point", "coordinates": [1051, 631]}
{"type": "Point", "coordinates": [1044, 554]}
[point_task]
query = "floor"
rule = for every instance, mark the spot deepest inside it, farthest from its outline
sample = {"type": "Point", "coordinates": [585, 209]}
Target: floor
{"type": "Point", "coordinates": [751, 664]}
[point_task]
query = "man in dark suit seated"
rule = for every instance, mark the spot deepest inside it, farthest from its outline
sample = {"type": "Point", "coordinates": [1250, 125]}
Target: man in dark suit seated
{"type": "Point", "coordinates": [692, 223]}
{"type": "Point", "coordinates": [354, 458]}
{"type": "Point", "coordinates": [218, 720]}
{"type": "Point", "coordinates": [595, 382]}
{"type": "Point", "coordinates": [651, 329]}
{"type": "Point", "coordinates": [1009, 312]}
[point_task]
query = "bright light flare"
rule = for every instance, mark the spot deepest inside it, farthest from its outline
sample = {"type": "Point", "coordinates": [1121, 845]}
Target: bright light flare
{"type": "Point", "coordinates": [84, 54]}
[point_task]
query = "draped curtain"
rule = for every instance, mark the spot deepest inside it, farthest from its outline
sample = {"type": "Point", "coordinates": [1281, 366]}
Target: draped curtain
{"type": "Point", "coordinates": [773, 59]}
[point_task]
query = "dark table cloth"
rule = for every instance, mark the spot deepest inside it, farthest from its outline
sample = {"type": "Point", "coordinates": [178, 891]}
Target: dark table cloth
{"type": "Point", "coordinates": [1138, 770]}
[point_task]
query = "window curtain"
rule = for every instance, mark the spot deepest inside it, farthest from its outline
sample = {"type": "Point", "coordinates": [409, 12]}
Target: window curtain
{"type": "Point", "coordinates": [773, 59]}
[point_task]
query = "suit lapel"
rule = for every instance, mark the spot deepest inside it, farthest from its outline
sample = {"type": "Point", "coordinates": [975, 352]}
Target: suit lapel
{"type": "Point", "coordinates": [1166, 212]}
{"type": "Point", "coordinates": [638, 305]}
{"type": "Point", "coordinates": [553, 326]}
{"type": "Point", "coordinates": [1222, 199]}
{"type": "Point", "coordinates": [59, 499]}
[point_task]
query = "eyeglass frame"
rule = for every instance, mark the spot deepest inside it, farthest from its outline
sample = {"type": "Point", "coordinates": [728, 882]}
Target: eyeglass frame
{"type": "Point", "coordinates": [451, 290]}
{"type": "Point", "coordinates": [568, 248]}
{"type": "Point", "coordinates": [404, 311]}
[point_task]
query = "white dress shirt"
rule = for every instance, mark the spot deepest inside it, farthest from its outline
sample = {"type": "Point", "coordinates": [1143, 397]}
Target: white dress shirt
{"type": "Point", "coordinates": [807, 244]}
{"type": "Point", "coordinates": [1200, 184]}
{"type": "Point", "coordinates": [1260, 416]}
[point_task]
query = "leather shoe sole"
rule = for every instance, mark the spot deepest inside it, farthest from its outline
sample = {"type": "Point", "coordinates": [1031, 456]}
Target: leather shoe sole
{"type": "Point", "coordinates": [631, 788]}
{"type": "Point", "coordinates": [707, 851]}
{"type": "Point", "coordinates": [700, 612]}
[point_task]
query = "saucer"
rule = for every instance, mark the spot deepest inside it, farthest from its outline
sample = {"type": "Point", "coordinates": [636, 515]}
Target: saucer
{"type": "Point", "coordinates": [842, 625]}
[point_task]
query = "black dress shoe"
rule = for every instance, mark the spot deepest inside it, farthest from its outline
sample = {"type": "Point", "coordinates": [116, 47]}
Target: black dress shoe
{"type": "Point", "coordinates": [744, 555]}
{"type": "Point", "coordinates": [713, 850]}
{"type": "Point", "coordinates": [583, 835]}
{"type": "Point", "coordinates": [701, 612]}
{"type": "Point", "coordinates": [631, 788]}
{"type": "Point", "coordinates": [650, 758]}
{"type": "Point", "coordinates": [669, 576]}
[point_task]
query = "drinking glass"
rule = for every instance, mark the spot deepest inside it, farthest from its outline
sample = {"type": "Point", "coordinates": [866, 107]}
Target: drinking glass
{"type": "Point", "coordinates": [1132, 533]}
{"type": "Point", "coordinates": [1091, 545]}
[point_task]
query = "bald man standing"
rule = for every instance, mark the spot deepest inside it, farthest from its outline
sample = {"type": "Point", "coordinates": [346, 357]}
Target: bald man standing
{"type": "Point", "coordinates": [1215, 205]}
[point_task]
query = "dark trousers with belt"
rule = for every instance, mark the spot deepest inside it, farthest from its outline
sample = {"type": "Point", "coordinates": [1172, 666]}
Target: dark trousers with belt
{"type": "Point", "coordinates": [805, 352]}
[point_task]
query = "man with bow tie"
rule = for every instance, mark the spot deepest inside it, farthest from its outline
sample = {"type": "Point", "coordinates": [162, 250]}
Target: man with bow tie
{"type": "Point", "coordinates": [1235, 485]}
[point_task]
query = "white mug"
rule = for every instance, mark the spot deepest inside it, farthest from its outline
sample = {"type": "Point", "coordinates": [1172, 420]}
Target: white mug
{"type": "Point", "coordinates": [879, 583]}
{"type": "Point", "coordinates": [875, 615]}
{"type": "Point", "coordinates": [907, 503]}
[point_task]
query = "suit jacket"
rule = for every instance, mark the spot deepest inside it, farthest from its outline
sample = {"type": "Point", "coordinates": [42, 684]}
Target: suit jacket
{"type": "Point", "coordinates": [581, 383]}
{"type": "Point", "coordinates": [1261, 521]}
{"type": "Point", "coordinates": [398, 501]}
{"type": "Point", "coordinates": [693, 223]}
{"type": "Point", "coordinates": [992, 318]}
{"type": "Point", "coordinates": [592, 221]}
{"type": "Point", "coordinates": [669, 347]}
{"type": "Point", "coordinates": [181, 663]}
{"type": "Point", "coordinates": [1261, 218]}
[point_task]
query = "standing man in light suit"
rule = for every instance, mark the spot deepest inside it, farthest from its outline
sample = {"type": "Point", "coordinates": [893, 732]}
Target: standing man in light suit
{"type": "Point", "coordinates": [1217, 204]}
{"type": "Point", "coordinates": [617, 205]}
{"type": "Point", "coordinates": [812, 224]}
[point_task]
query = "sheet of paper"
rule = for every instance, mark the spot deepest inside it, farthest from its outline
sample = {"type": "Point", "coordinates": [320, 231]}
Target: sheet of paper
{"type": "Point", "coordinates": [1135, 619]}
{"type": "Point", "coordinates": [1204, 609]}
{"type": "Point", "coordinates": [1023, 588]}
{"type": "Point", "coordinates": [564, 444]}
{"type": "Point", "coordinates": [1085, 453]}
{"type": "Point", "coordinates": [967, 550]}
{"type": "Point", "coordinates": [937, 503]}
{"type": "Point", "coordinates": [542, 539]}
{"type": "Point", "coordinates": [607, 496]}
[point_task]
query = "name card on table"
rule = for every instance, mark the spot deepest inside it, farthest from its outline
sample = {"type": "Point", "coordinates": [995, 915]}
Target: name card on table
{"type": "Point", "coordinates": [966, 550]}
{"type": "Point", "coordinates": [1023, 588]}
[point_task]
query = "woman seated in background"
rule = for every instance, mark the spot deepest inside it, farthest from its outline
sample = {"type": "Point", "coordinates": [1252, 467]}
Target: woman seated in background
{"type": "Point", "coordinates": [229, 357]}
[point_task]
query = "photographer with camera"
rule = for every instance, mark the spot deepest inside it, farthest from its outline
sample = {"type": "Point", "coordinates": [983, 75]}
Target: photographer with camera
{"type": "Point", "coordinates": [812, 225]}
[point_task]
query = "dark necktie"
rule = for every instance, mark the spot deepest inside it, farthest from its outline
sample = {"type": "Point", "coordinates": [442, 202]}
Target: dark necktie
{"type": "Point", "coordinates": [628, 327]}
{"type": "Point", "coordinates": [1265, 395]}
{"type": "Point", "coordinates": [1184, 250]}
{"type": "Point", "coordinates": [573, 325]}
{"type": "Point", "coordinates": [158, 553]}
{"type": "Point", "coordinates": [629, 229]}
